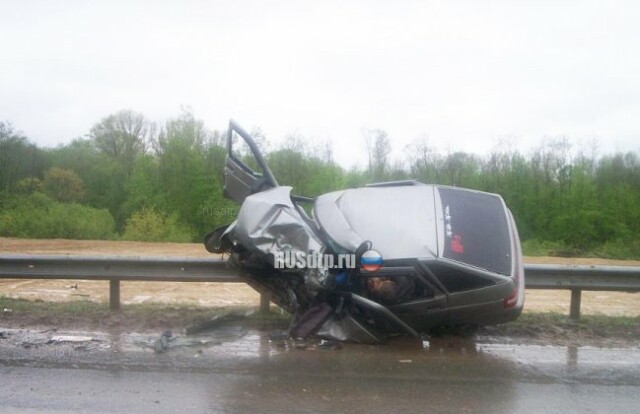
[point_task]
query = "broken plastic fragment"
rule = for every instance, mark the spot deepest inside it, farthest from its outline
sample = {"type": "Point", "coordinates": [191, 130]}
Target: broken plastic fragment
{"type": "Point", "coordinates": [70, 338]}
{"type": "Point", "coordinates": [162, 343]}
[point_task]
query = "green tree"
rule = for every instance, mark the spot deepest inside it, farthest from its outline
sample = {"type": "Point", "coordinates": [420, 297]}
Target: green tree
{"type": "Point", "coordinates": [423, 160]}
{"type": "Point", "coordinates": [290, 164]}
{"type": "Point", "coordinates": [182, 161]}
{"type": "Point", "coordinates": [311, 171]}
{"type": "Point", "coordinates": [19, 158]}
{"type": "Point", "coordinates": [378, 149]}
{"type": "Point", "coordinates": [105, 178]}
{"type": "Point", "coordinates": [123, 136]}
{"type": "Point", "coordinates": [63, 185]}
{"type": "Point", "coordinates": [460, 169]}
{"type": "Point", "coordinates": [143, 188]}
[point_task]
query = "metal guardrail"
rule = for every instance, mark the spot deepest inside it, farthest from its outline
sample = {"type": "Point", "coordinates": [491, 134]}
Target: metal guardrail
{"type": "Point", "coordinates": [582, 277]}
{"type": "Point", "coordinates": [117, 268]}
{"type": "Point", "coordinates": [139, 268]}
{"type": "Point", "coordinates": [189, 269]}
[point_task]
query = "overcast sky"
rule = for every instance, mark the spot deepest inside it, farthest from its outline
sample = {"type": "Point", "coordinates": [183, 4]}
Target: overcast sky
{"type": "Point", "coordinates": [465, 74]}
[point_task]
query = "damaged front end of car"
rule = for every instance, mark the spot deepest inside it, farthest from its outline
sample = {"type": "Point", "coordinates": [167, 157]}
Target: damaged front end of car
{"type": "Point", "coordinates": [371, 262]}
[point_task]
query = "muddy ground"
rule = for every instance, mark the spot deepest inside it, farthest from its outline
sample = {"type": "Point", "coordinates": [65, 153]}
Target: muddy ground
{"type": "Point", "coordinates": [87, 318]}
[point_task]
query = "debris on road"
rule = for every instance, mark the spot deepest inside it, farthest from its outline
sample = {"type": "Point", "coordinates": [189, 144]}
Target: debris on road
{"type": "Point", "coordinates": [329, 344]}
{"type": "Point", "coordinates": [162, 343]}
{"type": "Point", "coordinates": [71, 338]}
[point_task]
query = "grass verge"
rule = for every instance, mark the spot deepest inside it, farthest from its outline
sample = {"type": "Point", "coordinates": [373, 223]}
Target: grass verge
{"type": "Point", "coordinates": [547, 327]}
{"type": "Point", "coordinates": [21, 313]}
{"type": "Point", "coordinates": [557, 328]}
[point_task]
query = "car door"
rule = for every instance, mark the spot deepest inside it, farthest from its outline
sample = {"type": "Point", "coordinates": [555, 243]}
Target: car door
{"type": "Point", "coordinates": [246, 171]}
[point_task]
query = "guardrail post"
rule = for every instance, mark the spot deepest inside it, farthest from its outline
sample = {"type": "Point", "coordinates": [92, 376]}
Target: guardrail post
{"type": "Point", "coordinates": [265, 300]}
{"type": "Point", "coordinates": [114, 294]}
{"type": "Point", "coordinates": [576, 297]}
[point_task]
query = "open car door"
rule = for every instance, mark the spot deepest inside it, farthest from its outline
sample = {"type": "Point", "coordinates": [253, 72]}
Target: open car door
{"type": "Point", "coordinates": [246, 171]}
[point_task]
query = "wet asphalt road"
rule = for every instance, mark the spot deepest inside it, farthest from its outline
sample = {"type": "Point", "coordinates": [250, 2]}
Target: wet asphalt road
{"type": "Point", "coordinates": [241, 370]}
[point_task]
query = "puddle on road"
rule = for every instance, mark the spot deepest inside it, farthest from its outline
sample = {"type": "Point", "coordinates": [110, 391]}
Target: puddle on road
{"type": "Point", "coordinates": [234, 346]}
{"type": "Point", "coordinates": [241, 340]}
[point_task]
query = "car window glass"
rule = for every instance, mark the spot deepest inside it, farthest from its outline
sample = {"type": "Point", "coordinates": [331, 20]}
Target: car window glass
{"type": "Point", "coordinates": [241, 152]}
{"type": "Point", "coordinates": [476, 229]}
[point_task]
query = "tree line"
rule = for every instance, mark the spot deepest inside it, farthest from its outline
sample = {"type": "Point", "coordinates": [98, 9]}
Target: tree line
{"type": "Point", "coordinates": [130, 178]}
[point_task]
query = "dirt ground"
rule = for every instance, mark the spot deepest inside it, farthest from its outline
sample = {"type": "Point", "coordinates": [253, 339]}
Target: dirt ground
{"type": "Point", "coordinates": [203, 294]}
{"type": "Point", "coordinates": [226, 294]}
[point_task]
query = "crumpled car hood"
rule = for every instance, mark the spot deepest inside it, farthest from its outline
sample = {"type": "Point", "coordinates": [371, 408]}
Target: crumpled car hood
{"type": "Point", "coordinates": [269, 222]}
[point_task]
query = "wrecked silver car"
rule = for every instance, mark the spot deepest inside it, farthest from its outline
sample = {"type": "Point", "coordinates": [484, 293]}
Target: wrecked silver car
{"type": "Point", "coordinates": [363, 264]}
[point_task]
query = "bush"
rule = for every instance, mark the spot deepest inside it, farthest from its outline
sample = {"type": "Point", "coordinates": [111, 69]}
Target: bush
{"type": "Point", "coordinates": [619, 249]}
{"type": "Point", "coordinates": [29, 185]}
{"type": "Point", "coordinates": [536, 247]}
{"type": "Point", "coordinates": [38, 216]}
{"type": "Point", "coordinates": [151, 225]}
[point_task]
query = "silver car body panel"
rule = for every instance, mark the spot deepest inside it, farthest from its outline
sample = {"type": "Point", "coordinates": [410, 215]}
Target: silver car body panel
{"type": "Point", "coordinates": [269, 222]}
{"type": "Point", "coordinates": [400, 221]}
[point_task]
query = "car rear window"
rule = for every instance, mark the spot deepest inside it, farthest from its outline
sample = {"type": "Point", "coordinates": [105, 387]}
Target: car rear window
{"type": "Point", "coordinates": [476, 229]}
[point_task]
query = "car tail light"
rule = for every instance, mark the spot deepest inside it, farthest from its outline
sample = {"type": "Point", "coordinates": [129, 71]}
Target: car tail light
{"type": "Point", "coordinates": [511, 300]}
